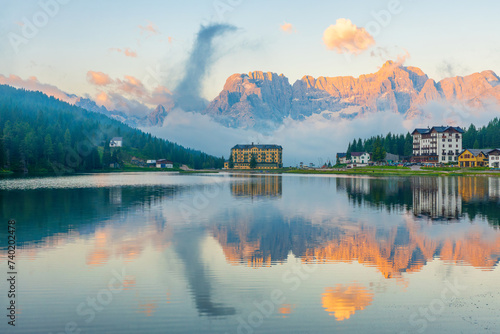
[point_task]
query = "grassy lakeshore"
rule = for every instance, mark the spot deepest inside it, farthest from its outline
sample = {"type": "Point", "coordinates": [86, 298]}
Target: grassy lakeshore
{"type": "Point", "coordinates": [383, 171]}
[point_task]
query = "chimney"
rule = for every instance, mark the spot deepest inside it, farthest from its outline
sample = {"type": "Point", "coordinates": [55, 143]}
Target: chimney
{"type": "Point", "coordinates": [252, 143]}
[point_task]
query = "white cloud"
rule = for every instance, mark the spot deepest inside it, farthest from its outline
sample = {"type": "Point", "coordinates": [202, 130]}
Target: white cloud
{"type": "Point", "coordinates": [317, 138]}
{"type": "Point", "coordinates": [345, 36]}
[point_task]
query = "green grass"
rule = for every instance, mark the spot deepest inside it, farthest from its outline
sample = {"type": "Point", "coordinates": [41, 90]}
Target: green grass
{"type": "Point", "coordinates": [443, 169]}
{"type": "Point", "coordinates": [383, 167]}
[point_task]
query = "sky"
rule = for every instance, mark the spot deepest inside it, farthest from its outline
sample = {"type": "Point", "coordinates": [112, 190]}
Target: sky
{"type": "Point", "coordinates": [141, 50]}
{"type": "Point", "coordinates": [121, 38]}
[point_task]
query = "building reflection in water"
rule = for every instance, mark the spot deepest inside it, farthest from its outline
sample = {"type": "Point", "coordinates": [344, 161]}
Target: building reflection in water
{"type": "Point", "coordinates": [437, 197]}
{"type": "Point", "coordinates": [434, 198]}
{"type": "Point", "coordinates": [265, 237]}
{"type": "Point", "coordinates": [257, 186]}
{"type": "Point", "coordinates": [342, 301]}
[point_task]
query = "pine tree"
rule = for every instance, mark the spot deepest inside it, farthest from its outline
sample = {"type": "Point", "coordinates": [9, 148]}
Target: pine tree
{"type": "Point", "coordinates": [106, 156]}
{"type": "Point", "coordinates": [476, 144]}
{"type": "Point", "coordinates": [253, 162]}
{"type": "Point", "coordinates": [48, 148]}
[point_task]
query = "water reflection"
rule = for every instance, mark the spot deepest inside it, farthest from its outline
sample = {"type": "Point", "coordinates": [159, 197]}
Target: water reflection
{"type": "Point", "coordinates": [205, 271]}
{"type": "Point", "coordinates": [262, 186]}
{"type": "Point", "coordinates": [188, 248]}
{"type": "Point", "coordinates": [436, 198]}
{"type": "Point", "coordinates": [343, 301]}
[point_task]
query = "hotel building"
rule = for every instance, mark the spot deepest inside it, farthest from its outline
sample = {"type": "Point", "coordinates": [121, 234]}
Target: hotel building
{"type": "Point", "coordinates": [439, 144]}
{"type": "Point", "coordinates": [266, 156]}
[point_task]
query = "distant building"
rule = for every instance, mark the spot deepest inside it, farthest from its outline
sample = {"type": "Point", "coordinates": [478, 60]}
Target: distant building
{"type": "Point", "coordinates": [473, 158]}
{"type": "Point", "coordinates": [389, 157]}
{"type": "Point", "coordinates": [439, 144]}
{"type": "Point", "coordinates": [114, 165]}
{"type": "Point", "coordinates": [226, 164]}
{"type": "Point", "coordinates": [162, 163]}
{"type": "Point", "coordinates": [360, 157]}
{"type": "Point", "coordinates": [342, 158]}
{"type": "Point", "coordinates": [137, 162]}
{"type": "Point", "coordinates": [494, 158]}
{"type": "Point", "coordinates": [116, 142]}
{"type": "Point", "coordinates": [266, 156]}
{"type": "Point", "coordinates": [151, 162]}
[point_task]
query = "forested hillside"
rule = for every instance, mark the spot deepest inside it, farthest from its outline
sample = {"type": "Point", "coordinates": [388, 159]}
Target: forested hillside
{"type": "Point", "coordinates": [41, 133]}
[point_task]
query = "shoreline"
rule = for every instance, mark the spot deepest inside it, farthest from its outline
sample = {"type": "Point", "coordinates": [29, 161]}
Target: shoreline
{"type": "Point", "coordinates": [354, 171]}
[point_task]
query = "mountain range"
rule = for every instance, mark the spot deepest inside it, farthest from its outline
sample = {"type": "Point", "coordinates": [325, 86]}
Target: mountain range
{"type": "Point", "coordinates": [257, 98]}
{"type": "Point", "coordinates": [263, 100]}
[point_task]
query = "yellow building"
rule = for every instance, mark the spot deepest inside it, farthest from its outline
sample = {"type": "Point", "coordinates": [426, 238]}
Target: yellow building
{"type": "Point", "coordinates": [473, 158]}
{"type": "Point", "coordinates": [266, 156]}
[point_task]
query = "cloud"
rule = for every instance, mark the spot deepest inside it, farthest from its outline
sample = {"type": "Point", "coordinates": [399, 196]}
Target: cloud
{"type": "Point", "coordinates": [131, 85]}
{"type": "Point", "coordinates": [149, 29]}
{"type": "Point", "coordinates": [449, 68]}
{"type": "Point", "coordinates": [32, 83]}
{"type": "Point", "coordinates": [98, 78]}
{"type": "Point", "coordinates": [287, 27]}
{"type": "Point", "coordinates": [188, 91]}
{"type": "Point", "coordinates": [318, 137]}
{"type": "Point", "coordinates": [345, 36]}
{"type": "Point", "coordinates": [126, 51]}
{"type": "Point", "coordinates": [128, 95]}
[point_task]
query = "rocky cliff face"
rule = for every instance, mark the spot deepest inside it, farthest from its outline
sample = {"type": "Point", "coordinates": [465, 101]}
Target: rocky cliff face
{"type": "Point", "coordinates": [254, 98]}
{"type": "Point", "coordinates": [157, 116]}
{"type": "Point", "coordinates": [260, 99]}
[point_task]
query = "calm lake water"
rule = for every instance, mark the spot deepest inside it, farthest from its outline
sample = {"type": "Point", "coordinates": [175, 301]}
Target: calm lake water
{"type": "Point", "coordinates": [222, 253]}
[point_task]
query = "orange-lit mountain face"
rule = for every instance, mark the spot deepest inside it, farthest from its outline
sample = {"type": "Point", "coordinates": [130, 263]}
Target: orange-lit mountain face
{"type": "Point", "coordinates": [400, 249]}
{"type": "Point", "coordinates": [248, 100]}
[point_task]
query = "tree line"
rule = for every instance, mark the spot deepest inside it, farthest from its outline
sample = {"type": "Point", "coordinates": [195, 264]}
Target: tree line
{"type": "Point", "coordinates": [41, 133]}
{"type": "Point", "coordinates": [486, 137]}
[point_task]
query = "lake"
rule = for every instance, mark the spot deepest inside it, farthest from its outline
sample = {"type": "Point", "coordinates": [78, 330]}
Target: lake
{"type": "Point", "coordinates": [241, 253]}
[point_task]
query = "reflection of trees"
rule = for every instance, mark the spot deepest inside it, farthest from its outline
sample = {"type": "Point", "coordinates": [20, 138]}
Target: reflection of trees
{"type": "Point", "coordinates": [43, 213]}
{"type": "Point", "coordinates": [392, 194]}
{"type": "Point", "coordinates": [342, 301]}
{"type": "Point", "coordinates": [257, 186]}
{"type": "Point", "coordinates": [438, 198]}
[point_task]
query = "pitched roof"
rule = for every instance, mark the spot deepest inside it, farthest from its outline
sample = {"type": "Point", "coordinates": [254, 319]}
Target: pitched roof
{"type": "Point", "coordinates": [117, 139]}
{"type": "Point", "coordinates": [421, 131]}
{"type": "Point", "coordinates": [438, 129]}
{"type": "Point", "coordinates": [446, 128]}
{"type": "Point", "coordinates": [357, 154]}
{"type": "Point", "coordinates": [259, 146]}
{"type": "Point", "coordinates": [341, 155]}
{"type": "Point", "coordinates": [475, 152]}
{"type": "Point", "coordinates": [494, 149]}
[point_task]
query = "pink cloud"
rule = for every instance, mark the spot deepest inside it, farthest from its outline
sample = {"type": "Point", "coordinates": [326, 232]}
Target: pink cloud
{"type": "Point", "coordinates": [345, 36]}
{"type": "Point", "coordinates": [126, 51]}
{"type": "Point", "coordinates": [287, 27]}
{"type": "Point", "coordinates": [32, 83]}
{"type": "Point", "coordinates": [150, 29]}
{"type": "Point", "coordinates": [98, 78]}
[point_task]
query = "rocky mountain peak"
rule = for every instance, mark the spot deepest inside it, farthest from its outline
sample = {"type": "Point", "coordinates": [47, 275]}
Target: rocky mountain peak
{"type": "Point", "coordinates": [259, 98]}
